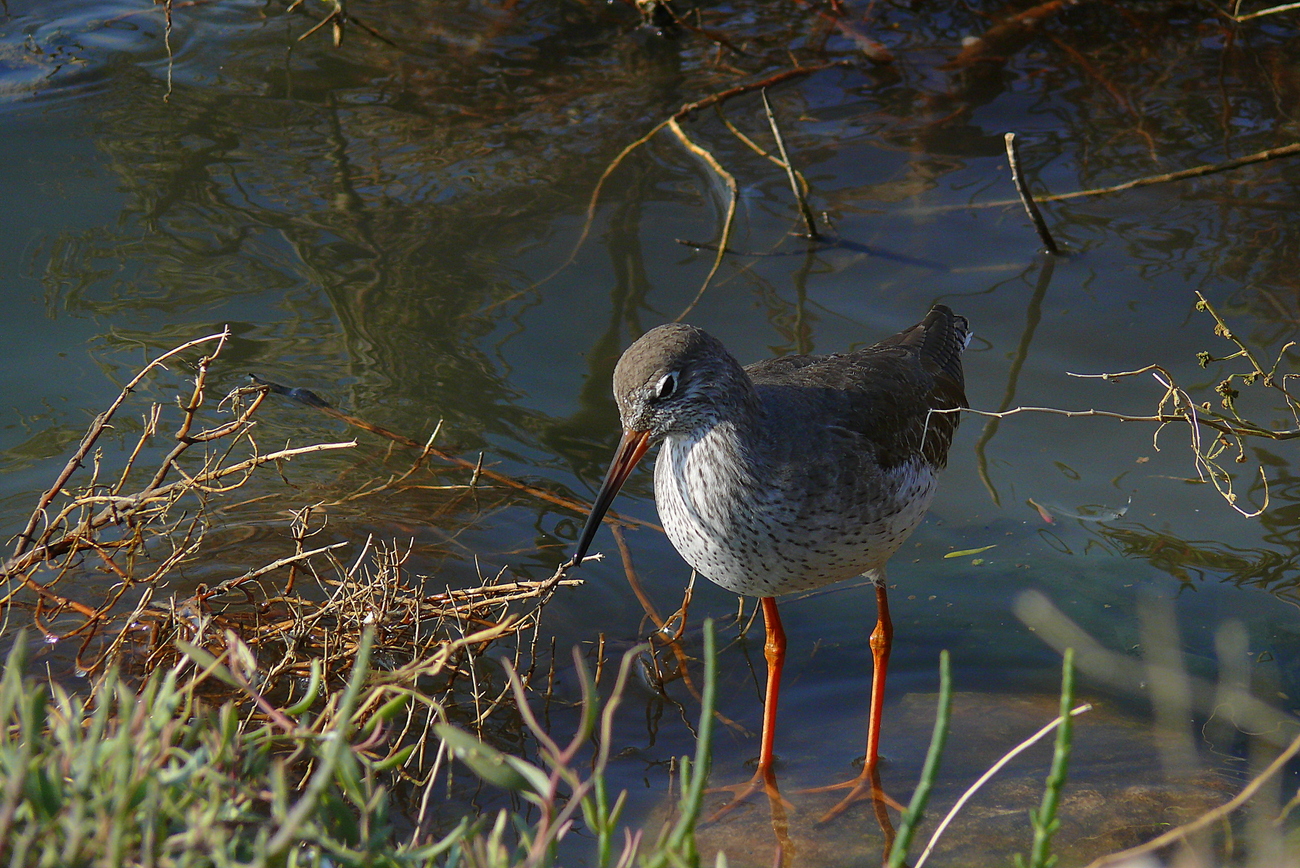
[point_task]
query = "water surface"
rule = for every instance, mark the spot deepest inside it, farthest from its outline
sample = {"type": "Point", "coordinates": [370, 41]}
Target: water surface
{"type": "Point", "coordinates": [401, 226]}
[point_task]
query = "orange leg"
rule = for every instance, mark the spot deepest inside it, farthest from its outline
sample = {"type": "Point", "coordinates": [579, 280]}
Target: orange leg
{"type": "Point", "coordinates": [774, 651]}
{"type": "Point", "coordinates": [867, 784]}
{"type": "Point", "coordinates": [764, 776]}
{"type": "Point", "coordinates": [882, 642]}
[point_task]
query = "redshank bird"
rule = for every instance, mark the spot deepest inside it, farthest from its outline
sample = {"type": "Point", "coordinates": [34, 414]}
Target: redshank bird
{"type": "Point", "coordinates": [791, 473]}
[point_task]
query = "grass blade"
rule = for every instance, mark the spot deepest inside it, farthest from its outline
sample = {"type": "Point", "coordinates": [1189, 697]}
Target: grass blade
{"type": "Point", "coordinates": [912, 816]}
{"type": "Point", "coordinates": [1044, 820]}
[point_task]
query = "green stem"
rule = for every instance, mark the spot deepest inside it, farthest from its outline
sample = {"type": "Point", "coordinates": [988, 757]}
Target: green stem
{"type": "Point", "coordinates": [930, 771]}
{"type": "Point", "coordinates": [334, 744]}
{"type": "Point", "coordinates": [680, 842]}
{"type": "Point", "coordinates": [1045, 822]}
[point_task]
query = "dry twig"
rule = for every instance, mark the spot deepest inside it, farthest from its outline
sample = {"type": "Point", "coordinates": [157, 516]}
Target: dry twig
{"type": "Point", "coordinates": [1027, 198]}
{"type": "Point", "coordinates": [1176, 406]}
{"type": "Point", "coordinates": [809, 223]}
{"type": "Point", "coordinates": [296, 619]}
{"type": "Point", "coordinates": [727, 221]}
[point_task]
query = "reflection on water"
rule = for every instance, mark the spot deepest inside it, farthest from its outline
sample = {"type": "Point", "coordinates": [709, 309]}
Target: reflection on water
{"type": "Point", "coordinates": [395, 224]}
{"type": "Point", "coordinates": [1193, 562]}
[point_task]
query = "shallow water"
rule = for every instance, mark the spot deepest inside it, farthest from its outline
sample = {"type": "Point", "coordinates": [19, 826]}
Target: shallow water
{"type": "Point", "coordinates": [402, 229]}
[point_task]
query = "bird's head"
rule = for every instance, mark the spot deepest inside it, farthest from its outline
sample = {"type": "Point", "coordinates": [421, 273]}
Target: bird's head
{"type": "Point", "coordinates": [677, 380]}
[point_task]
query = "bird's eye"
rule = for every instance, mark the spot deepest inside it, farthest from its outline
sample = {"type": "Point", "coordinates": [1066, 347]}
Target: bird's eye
{"type": "Point", "coordinates": [666, 386]}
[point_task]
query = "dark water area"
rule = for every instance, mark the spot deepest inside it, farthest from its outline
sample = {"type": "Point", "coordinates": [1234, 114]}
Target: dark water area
{"type": "Point", "coordinates": [400, 224]}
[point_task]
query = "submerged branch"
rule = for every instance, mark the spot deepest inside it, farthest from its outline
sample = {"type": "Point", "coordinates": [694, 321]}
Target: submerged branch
{"type": "Point", "coordinates": [1027, 197]}
{"type": "Point", "coordinates": [1146, 181]}
{"type": "Point", "coordinates": [727, 221]}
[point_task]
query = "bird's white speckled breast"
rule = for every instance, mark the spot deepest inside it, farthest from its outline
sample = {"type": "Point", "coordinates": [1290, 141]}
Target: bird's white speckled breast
{"type": "Point", "coordinates": [783, 536]}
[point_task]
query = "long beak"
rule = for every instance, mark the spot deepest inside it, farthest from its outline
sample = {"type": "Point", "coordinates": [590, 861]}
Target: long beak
{"type": "Point", "coordinates": [630, 449]}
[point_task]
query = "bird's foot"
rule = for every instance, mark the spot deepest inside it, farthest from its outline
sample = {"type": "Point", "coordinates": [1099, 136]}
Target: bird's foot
{"type": "Point", "coordinates": [764, 780]}
{"type": "Point", "coordinates": [864, 786]}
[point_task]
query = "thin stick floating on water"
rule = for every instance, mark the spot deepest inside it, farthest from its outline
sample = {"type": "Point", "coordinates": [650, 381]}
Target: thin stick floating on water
{"type": "Point", "coordinates": [809, 223]}
{"type": "Point", "coordinates": [1278, 153]}
{"type": "Point", "coordinates": [1031, 207]}
{"type": "Point", "coordinates": [727, 222]}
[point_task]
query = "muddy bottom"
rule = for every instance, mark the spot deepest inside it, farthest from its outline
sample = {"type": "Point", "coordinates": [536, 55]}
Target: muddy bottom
{"type": "Point", "coordinates": [1118, 793]}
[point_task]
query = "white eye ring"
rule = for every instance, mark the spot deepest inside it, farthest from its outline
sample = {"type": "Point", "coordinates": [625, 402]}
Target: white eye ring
{"type": "Point", "coordinates": [666, 386]}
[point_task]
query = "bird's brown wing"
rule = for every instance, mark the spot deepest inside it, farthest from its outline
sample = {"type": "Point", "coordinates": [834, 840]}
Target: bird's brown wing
{"type": "Point", "coordinates": [899, 397]}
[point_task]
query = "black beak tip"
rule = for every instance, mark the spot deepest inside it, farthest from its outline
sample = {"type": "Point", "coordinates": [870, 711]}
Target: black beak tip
{"type": "Point", "coordinates": [630, 450]}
